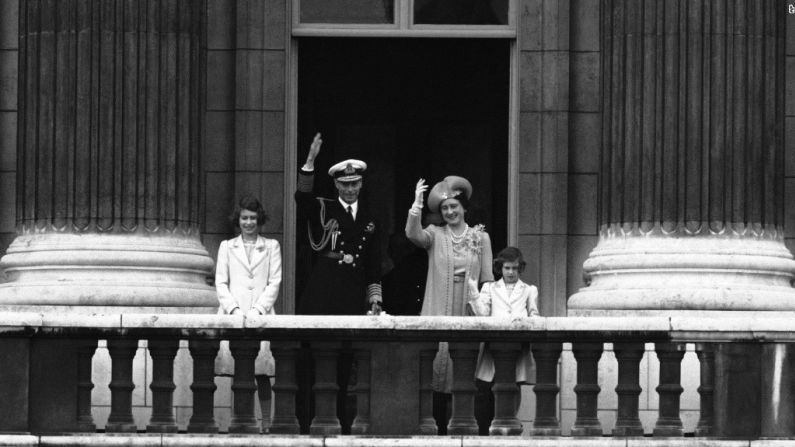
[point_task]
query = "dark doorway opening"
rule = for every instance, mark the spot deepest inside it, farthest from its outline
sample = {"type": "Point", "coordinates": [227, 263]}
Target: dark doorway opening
{"type": "Point", "coordinates": [410, 108]}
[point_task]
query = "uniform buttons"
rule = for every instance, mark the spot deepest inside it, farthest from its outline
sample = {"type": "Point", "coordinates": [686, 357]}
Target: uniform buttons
{"type": "Point", "coordinates": [357, 255]}
{"type": "Point", "coordinates": [251, 276]}
{"type": "Point", "coordinates": [250, 287]}
{"type": "Point", "coordinates": [364, 238]}
{"type": "Point", "coordinates": [354, 264]}
{"type": "Point", "coordinates": [342, 243]}
{"type": "Point", "coordinates": [360, 247]}
{"type": "Point", "coordinates": [339, 262]}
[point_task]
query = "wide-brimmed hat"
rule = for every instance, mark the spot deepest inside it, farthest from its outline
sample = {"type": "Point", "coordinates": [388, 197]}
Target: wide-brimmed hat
{"type": "Point", "coordinates": [348, 171]}
{"type": "Point", "coordinates": [451, 187]}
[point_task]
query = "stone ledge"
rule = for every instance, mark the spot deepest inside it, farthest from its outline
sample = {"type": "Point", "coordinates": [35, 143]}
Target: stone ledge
{"type": "Point", "coordinates": [767, 328]}
{"type": "Point", "coordinates": [219, 440]}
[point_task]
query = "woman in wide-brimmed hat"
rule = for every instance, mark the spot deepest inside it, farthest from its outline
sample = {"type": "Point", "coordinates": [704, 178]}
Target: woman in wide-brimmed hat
{"type": "Point", "coordinates": [459, 258]}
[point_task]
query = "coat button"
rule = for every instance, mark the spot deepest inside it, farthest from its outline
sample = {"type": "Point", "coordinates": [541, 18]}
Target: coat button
{"type": "Point", "coordinates": [360, 247]}
{"type": "Point", "coordinates": [251, 276]}
{"type": "Point", "coordinates": [342, 242]}
{"type": "Point", "coordinates": [250, 287]}
{"type": "Point", "coordinates": [354, 264]}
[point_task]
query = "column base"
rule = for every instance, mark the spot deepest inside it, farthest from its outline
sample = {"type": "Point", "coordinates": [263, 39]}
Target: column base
{"type": "Point", "coordinates": [628, 431]}
{"type": "Point", "coordinates": [124, 427]}
{"type": "Point", "coordinates": [162, 428]}
{"type": "Point", "coordinates": [544, 432]}
{"type": "Point", "coordinates": [107, 273]}
{"type": "Point", "coordinates": [513, 428]}
{"type": "Point", "coordinates": [668, 431]}
{"type": "Point", "coordinates": [658, 274]}
{"type": "Point", "coordinates": [325, 428]}
{"type": "Point", "coordinates": [587, 431]}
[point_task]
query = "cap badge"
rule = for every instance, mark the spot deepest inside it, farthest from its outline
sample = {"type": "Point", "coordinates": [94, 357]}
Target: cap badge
{"type": "Point", "coordinates": [349, 169]}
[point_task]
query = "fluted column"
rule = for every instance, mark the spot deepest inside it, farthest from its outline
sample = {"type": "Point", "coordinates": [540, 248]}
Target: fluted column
{"type": "Point", "coordinates": [691, 181]}
{"type": "Point", "coordinates": [111, 100]}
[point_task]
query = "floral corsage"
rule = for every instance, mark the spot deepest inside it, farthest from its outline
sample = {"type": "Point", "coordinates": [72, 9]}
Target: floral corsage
{"type": "Point", "coordinates": [474, 238]}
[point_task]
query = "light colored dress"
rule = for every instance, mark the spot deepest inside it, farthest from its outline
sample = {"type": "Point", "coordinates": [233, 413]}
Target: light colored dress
{"type": "Point", "coordinates": [247, 277]}
{"type": "Point", "coordinates": [454, 271]}
{"type": "Point", "coordinates": [498, 299]}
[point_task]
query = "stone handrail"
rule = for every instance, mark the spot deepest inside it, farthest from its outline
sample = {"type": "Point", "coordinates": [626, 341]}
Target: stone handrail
{"type": "Point", "coordinates": [52, 356]}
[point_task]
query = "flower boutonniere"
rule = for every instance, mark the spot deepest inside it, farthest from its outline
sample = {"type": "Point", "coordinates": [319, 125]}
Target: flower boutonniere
{"type": "Point", "coordinates": [370, 228]}
{"type": "Point", "coordinates": [474, 238]}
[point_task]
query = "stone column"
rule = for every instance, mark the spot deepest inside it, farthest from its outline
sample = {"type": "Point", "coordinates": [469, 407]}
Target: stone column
{"type": "Point", "coordinates": [691, 181]}
{"type": "Point", "coordinates": [110, 126]}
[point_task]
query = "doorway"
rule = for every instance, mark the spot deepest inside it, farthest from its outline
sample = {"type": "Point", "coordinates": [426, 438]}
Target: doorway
{"type": "Point", "coordinates": [410, 108]}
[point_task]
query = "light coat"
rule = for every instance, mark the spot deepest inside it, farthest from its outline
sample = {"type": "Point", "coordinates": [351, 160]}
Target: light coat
{"type": "Point", "coordinates": [440, 299]}
{"type": "Point", "coordinates": [494, 300]}
{"type": "Point", "coordinates": [247, 285]}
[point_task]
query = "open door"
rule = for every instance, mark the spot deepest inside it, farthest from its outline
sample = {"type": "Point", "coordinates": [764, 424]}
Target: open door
{"type": "Point", "coordinates": [410, 108]}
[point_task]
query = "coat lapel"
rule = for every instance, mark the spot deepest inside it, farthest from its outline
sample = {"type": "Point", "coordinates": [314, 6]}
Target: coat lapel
{"type": "Point", "coordinates": [239, 251]}
{"type": "Point", "coordinates": [258, 255]}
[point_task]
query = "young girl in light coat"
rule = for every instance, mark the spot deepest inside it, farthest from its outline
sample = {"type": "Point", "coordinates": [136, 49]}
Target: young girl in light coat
{"type": "Point", "coordinates": [509, 297]}
{"type": "Point", "coordinates": [247, 279]}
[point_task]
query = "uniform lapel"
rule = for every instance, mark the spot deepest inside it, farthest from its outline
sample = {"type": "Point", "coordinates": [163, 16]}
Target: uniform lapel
{"type": "Point", "coordinates": [239, 251]}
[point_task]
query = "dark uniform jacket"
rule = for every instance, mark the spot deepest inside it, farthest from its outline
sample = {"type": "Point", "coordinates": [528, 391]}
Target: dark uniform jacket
{"type": "Point", "coordinates": [341, 273]}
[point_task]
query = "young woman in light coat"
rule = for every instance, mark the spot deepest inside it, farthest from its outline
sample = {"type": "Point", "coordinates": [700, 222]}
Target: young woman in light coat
{"type": "Point", "coordinates": [247, 279]}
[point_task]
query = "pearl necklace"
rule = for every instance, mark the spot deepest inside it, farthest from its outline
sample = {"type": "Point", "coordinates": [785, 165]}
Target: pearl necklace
{"type": "Point", "coordinates": [460, 238]}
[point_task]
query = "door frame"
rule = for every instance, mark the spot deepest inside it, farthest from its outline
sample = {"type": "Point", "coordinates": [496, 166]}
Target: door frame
{"type": "Point", "coordinates": [294, 30]}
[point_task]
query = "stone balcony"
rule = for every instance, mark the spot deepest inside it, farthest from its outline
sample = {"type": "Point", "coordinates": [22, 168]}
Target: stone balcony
{"type": "Point", "coordinates": [47, 387]}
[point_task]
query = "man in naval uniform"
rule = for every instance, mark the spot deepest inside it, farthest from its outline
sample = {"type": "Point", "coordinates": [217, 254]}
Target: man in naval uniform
{"type": "Point", "coordinates": [345, 276]}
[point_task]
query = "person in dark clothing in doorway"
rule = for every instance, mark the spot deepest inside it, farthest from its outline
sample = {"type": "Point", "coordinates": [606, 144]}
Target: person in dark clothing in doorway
{"type": "Point", "coordinates": [345, 275]}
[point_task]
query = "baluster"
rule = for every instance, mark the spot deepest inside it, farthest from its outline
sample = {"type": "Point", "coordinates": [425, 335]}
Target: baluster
{"type": "Point", "coordinates": [325, 421]}
{"type": "Point", "coordinates": [244, 386]}
{"type": "Point", "coordinates": [628, 389]}
{"type": "Point", "coordinates": [669, 389]}
{"type": "Point", "coordinates": [362, 356]}
{"type": "Point", "coordinates": [284, 388]}
{"type": "Point", "coordinates": [505, 391]}
{"type": "Point", "coordinates": [706, 358]}
{"type": "Point", "coordinates": [122, 352]}
{"type": "Point", "coordinates": [587, 389]}
{"type": "Point", "coordinates": [464, 357]}
{"type": "Point", "coordinates": [85, 422]}
{"type": "Point", "coordinates": [203, 386]}
{"type": "Point", "coordinates": [427, 422]}
{"type": "Point", "coordinates": [546, 389]}
{"type": "Point", "coordinates": [162, 386]}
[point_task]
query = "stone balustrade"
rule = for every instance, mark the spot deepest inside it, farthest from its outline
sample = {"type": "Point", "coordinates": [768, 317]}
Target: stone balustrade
{"type": "Point", "coordinates": [47, 368]}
